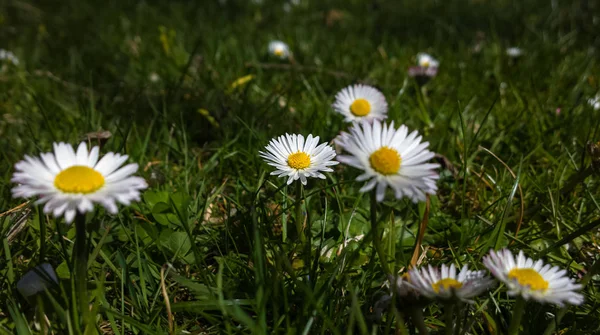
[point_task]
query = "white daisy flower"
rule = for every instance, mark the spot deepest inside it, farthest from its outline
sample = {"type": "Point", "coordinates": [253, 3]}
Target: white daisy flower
{"type": "Point", "coordinates": [533, 280]}
{"type": "Point", "coordinates": [8, 56]}
{"type": "Point", "coordinates": [360, 102]}
{"type": "Point", "coordinates": [426, 60]}
{"type": "Point", "coordinates": [298, 159]}
{"type": "Point", "coordinates": [68, 181]}
{"type": "Point", "coordinates": [279, 49]}
{"type": "Point", "coordinates": [447, 284]}
{"type": "Point", "coordinates": [514, 52]}
{"type": "Point", "coordinates": [390, 157]}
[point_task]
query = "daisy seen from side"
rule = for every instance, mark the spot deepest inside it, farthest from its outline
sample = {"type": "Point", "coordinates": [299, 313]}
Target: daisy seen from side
{"type": "Point", "coordinates": [531, 279]}
{"type": "Point", "coordinates": [390, 157]}
{"type": "Point", "coordinates": [360, 102]}
{"type": "Point", "coordinates": [69, 181]}
{"type": "Point", "coordinates": [296, 158]}
{"type": "Point", "coordinates": [448, 284]}
{"type": "Point", "coordinates": [427, 61]}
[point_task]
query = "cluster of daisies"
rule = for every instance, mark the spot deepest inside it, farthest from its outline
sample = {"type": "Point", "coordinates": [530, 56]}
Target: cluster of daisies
{"type": "Point", "coordinates": [524, 277]}
{"type": "Point", "coordinates": [389, 156]}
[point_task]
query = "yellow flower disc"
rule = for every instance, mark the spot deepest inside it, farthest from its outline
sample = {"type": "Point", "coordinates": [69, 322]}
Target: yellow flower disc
{"type": "Point", "coordinates": [360, 107]}
{"type": "Point", "coordinates": [299, 160]}
{"type": "Point", "coordinates": [79, 179]}
{"type": "Point", "coordinates": [446, 284]}
{"type": "Point", "coordinates": [385, 161]}
{"type": "Point", "coordinates": [529, 277]}
{"type": "Point", "coordinates": [278, 52]}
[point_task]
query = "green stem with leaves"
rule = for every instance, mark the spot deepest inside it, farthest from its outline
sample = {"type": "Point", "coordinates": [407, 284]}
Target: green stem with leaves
{"type": "Point", "coordinates": [517, 315]}
{"type": "Point", "coordinates": [377, 243]}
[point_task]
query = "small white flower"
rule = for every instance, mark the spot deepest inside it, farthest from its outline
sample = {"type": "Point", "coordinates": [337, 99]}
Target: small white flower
{"type": "Point", "coordinates": [360, 102]}
{"type": "Point", "coordinates": [67, 181]}
{"type": "Point", "coordinates": [154, 77]}
{"type": "Point", "coordinates": [595, 102]}
{"type": "Point", "coordinates": [390, 157]}
{"type": "Point", "coordinates": [514, 52]}
{"type": "Point", "coordinates": [447, 284]}
{"type": "Point", "coordinates": [426, 60]}
{"type": "Point", "coordinates": [296, 159]}
{"type": "Point", "coordinates": [8, 56]}
{"type": "Point", "coordinates": [533, 280]}
{"type": "Point", "coordinates": [279, 49]}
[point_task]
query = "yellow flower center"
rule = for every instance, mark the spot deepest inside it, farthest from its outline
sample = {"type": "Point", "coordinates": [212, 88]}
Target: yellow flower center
{"type": "Point", "coordinates": [79, 179]}
{"type": "Point", "coordinates": [278, 52]}
{"type": "Point", "coordinates": [425, 63]}
{"type": "Point", "coordinates": [360, 107]}
{"type": "Point", "coordinates": [385, 161]}
{"type": "Point", "coordinates": [529, 277]}
{"type": "Point", "coordinates": [446, 284]}
{"type": "Point", "coordinates": [299, 160]}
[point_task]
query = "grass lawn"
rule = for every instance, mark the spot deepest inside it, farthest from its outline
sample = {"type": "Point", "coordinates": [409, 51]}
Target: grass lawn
{"type": "Point", "coordinates": [189, 91]}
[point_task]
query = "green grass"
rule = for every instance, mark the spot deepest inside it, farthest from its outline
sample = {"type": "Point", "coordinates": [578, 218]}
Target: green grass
{"type": "Point", "coordinates": [222, 230]}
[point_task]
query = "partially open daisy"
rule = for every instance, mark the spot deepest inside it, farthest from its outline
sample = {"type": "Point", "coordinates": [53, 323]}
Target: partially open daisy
{"type": "Point", "coordinates": [298, 159]}
{"type": "Point", "coordinates": [279, 49]}
{"type": "Point", "coordinates": [390, 157]}
{"type": "Point", "coordinates": [426, 60]}
{"type": "Point", "coordinates": [360, 102]}
{"type": "Point", "coordinates": [533, 280]}
{"type": "Point", "coordinates": [68, 181]}
{"type": "Point", "coordinates": [448, 284]}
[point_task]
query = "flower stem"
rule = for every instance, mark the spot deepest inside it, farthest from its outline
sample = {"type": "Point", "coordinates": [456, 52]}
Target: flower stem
{"type": "Point", "coordinates": [417, 319]}
{"type": "Point", "coordinates": [517, 315]}
{"type": "Point", "coordinates": [80, 259]}
{"type": "Point", "coordinates": [299, 216]}
{"type": "Point", "coordinates": [449, 318]}
{"type": "Point", "coordinates": [377, 244]}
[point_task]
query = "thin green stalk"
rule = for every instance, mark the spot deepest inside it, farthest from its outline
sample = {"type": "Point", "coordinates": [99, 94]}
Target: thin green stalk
{"type": "Point", "coordinates": [377, 244]}
{"type": "Point", "coordinates": [517, 315]}
{"type": "Point", "coordinates": [42, 224]}
{"type": "Point", "coordinates": [419, 321]}
{"type": "Point", "coordinates": [80, 259]}
{"type": "Point", "coordinates": [449, 318]}
{"type": "Point", "coordinates": [299, 216]}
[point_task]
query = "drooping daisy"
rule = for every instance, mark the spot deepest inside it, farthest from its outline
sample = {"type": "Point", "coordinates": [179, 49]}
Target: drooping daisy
{"type": "Point", "coordinates": [298, 159]}
{"type": "Point", "coordinates": [279, 49]}
{"type": "Point", "coordinates": [447, 284]}
{"type": "Point", "coordinates": [426, 60]}
{"type": "Point", "coordinates": [533, 280]}
{"type": "Point", "coordinates": [390, 157]}
{"type": "Point", "coordinates": [68, 181]}
{"type": "Point", "coordinates": [360, 102]}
